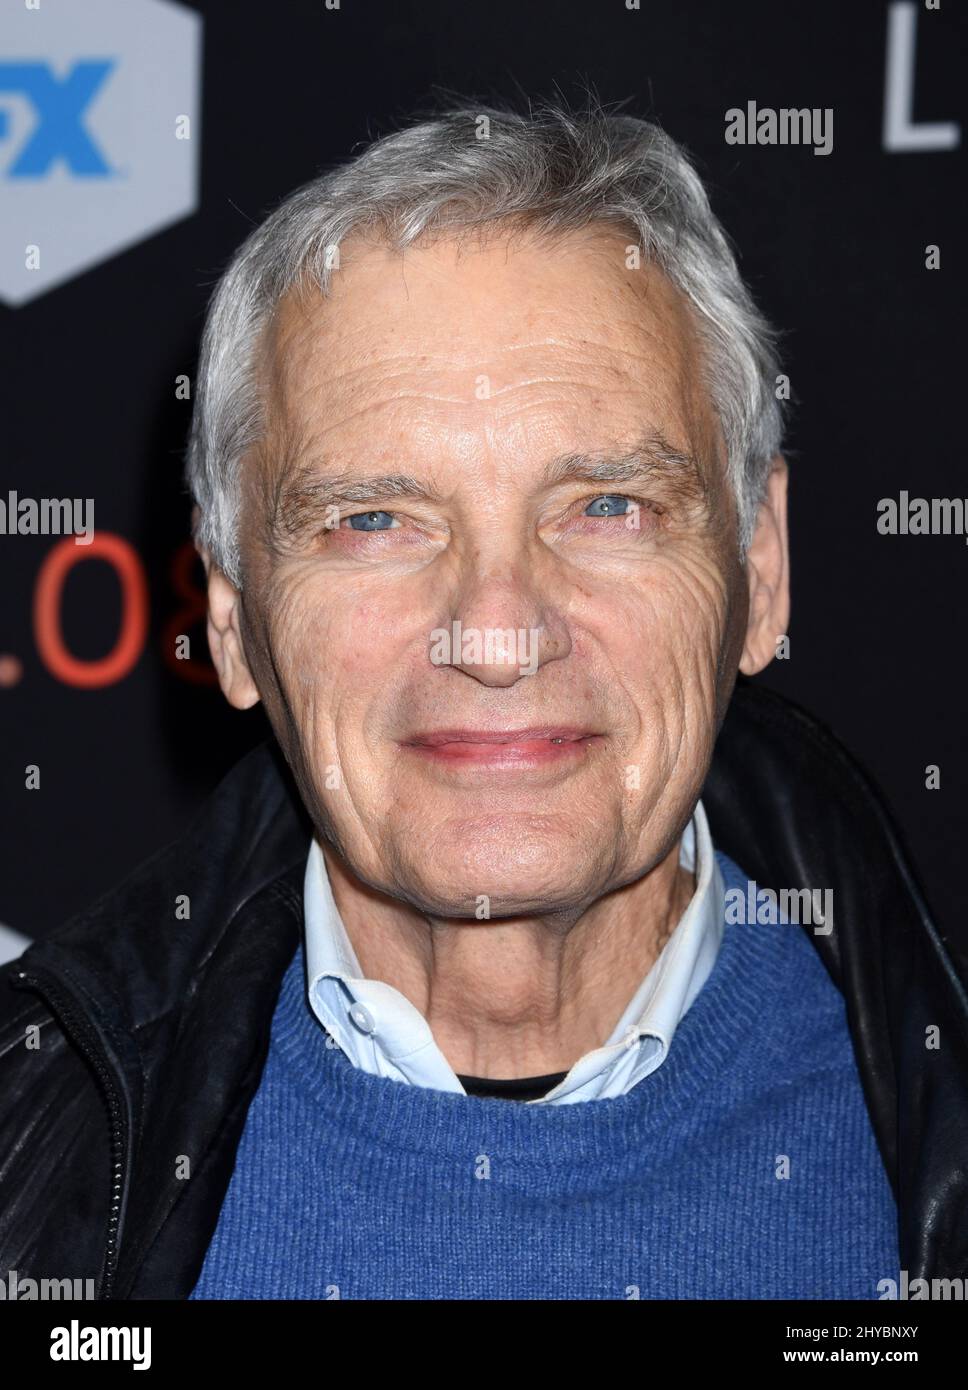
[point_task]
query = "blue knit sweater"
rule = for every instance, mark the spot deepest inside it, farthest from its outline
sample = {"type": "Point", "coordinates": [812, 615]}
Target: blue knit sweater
{"type": "Point", "coordinates": [348, 1185]}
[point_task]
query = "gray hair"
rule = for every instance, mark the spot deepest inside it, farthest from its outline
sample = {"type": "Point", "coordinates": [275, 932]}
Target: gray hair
{"type": "Point", "coordinates": [553, 169]}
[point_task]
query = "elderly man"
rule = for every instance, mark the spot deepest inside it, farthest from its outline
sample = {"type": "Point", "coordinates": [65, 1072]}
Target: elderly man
{"type": "Point", "coordinates": [462, 997]}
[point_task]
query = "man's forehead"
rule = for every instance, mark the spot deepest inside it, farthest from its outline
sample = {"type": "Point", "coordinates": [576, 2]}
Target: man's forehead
{"type": "Point", "coordinates": [459, 301]}
{"type": "Point", "coordinates": [393, 345]}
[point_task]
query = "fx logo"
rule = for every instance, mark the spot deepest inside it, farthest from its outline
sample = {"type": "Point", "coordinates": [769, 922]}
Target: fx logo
{"type": "Point", "coordinates": [100, 133]}
{"type": "Point", "coordinates": [59, 104]}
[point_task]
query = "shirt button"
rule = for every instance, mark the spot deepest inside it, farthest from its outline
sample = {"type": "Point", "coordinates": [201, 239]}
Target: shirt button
{"type": "Point", "coordinates": [363, 1019]}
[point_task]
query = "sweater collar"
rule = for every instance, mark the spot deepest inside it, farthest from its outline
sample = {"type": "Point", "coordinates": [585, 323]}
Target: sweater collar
{"type": "Point", "coordinates": [747, 1004]}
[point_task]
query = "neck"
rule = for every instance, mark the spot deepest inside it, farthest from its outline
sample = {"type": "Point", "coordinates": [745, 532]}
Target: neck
{"type": "Point", "coordinates": [523, 996]}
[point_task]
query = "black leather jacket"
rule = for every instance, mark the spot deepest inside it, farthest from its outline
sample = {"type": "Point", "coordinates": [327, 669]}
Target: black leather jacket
{"type": "Point", "coordinates": [131, 1039]}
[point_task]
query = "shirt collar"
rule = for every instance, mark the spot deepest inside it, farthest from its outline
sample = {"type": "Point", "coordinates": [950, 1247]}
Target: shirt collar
{"type": "Point", "coordinates": [382, 1031]}
{"type": "Point", "coordinates": [641, 1039]}
{"type": "Point", "coordinates": [372, 1022]}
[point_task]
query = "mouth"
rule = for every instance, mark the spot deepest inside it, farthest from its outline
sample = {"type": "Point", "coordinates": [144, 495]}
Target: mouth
{"type": "Point", "coordinates": [508, 747]}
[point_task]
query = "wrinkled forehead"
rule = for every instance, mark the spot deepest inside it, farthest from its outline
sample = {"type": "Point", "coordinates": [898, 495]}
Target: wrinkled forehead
{"type": "Point", "coordinates": [471, 327]}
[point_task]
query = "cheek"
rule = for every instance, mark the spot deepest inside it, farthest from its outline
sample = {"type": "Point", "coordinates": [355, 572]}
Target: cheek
{"type": "Point", "coordinates": [334, 651]}
{"type": "Point", "coordinates": [680, 619]}
{"type": "Point", "coordinates": [305, 648]}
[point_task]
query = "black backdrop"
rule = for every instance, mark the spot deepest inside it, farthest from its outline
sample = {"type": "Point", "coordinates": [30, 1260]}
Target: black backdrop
{"type": "Point", "coordinates": [833, 246]}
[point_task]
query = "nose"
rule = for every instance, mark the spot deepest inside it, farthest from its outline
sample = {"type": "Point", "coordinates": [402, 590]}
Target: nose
{"type": "Point", "coordinates": [501, 630]}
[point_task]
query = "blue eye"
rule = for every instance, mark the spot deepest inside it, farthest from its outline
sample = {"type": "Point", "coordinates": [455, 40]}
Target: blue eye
{"type": "Point", "coordinates": [608, 505]}
{"type": "Point", "coordinates": [371, 521]}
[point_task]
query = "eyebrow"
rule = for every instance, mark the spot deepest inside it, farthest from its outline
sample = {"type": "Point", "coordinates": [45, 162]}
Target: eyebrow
{"type": "Point", "coordinates": [652, 456]}
{"type": "Point", "coordinates": [304, 491]}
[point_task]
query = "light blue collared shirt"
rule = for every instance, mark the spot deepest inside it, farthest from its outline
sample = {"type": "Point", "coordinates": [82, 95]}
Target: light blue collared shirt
{"type": "Point", "coordinates": [383, 1033]}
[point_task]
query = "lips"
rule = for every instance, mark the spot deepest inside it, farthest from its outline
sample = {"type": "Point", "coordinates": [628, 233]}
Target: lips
{"type": "Point", "coordinates": [530, 747]}
{"type": "Point", "coordinates": [550, 733]}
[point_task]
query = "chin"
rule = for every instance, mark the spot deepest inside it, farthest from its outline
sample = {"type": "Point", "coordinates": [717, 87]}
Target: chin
{"type": "Point", "coordinates": [505, 875]}
{"type": "Point", "coordinates": [458, 901]}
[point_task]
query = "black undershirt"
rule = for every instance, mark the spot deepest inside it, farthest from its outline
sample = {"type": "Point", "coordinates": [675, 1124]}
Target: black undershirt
{"type": "Point", "coordinates": [517, 1088]}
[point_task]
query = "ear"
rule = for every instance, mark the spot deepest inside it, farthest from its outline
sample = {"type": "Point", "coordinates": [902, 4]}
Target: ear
{"type": "Point", "coordinates": [225, 636]}
{"type": "Point", "coordinates": [768, 575]}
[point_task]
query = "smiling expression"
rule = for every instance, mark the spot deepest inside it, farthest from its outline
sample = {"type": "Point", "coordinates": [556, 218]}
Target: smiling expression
{"type": "Point", "coordinates": [508, 439]}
